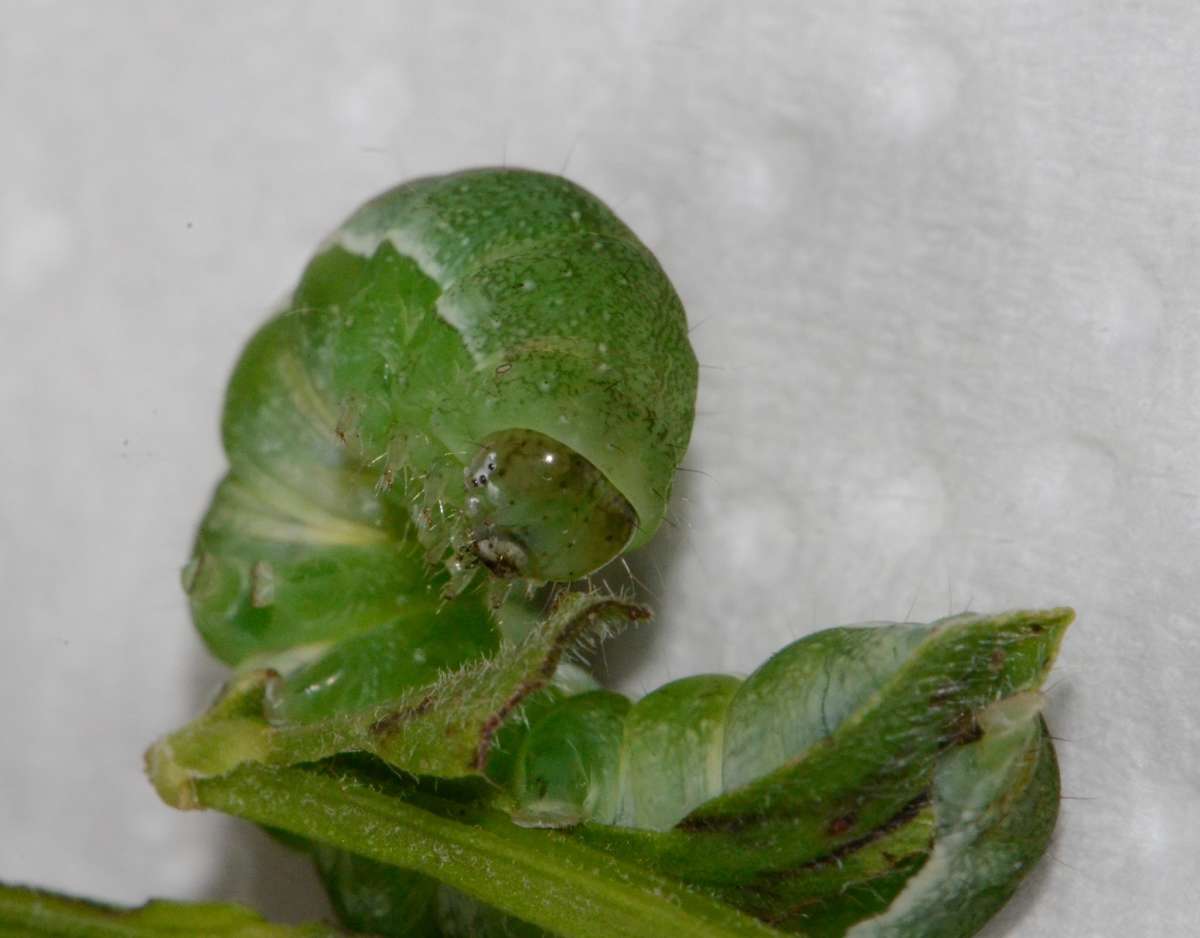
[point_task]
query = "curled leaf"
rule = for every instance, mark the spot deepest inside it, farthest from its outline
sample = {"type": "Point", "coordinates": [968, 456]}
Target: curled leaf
{"type": "Point", "coordinates": [445, 728]}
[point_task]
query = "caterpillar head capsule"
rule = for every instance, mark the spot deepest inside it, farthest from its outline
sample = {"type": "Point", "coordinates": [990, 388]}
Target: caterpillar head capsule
{"type": "Point", "coordinates": [538, 510]}
{"type": "Point", "coordinates": [495, 322]}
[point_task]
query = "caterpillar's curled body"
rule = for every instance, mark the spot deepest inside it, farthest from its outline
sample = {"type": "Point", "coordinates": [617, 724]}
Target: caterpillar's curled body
{"type": "Point", "coordinates": [484, 378]}
{"type": "Point", "coordinates": [484, 369]}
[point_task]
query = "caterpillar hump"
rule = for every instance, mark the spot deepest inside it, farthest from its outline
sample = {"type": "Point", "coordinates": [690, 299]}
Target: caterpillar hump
{"type": "Point", "coordinates": [485, 369]}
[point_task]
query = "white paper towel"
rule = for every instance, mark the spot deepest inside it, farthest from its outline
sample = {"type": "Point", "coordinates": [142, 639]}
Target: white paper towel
{"type": "Point", "coordinates": [941, 263]}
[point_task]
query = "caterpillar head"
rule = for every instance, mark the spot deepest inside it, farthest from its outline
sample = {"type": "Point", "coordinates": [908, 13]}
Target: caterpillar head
{"type": "Point", "coordinates": [536, 509]}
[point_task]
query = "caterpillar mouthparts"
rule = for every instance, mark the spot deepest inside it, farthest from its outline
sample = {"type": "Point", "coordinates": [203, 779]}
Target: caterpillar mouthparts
{"type": "Point", "coordinates": [538, 510]}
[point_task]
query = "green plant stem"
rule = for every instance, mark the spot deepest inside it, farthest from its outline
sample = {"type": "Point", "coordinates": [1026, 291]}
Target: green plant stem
{"type": "Point", "coordinates": [34, 913]}
{"type": "Point", "coordinates": [540, 876]}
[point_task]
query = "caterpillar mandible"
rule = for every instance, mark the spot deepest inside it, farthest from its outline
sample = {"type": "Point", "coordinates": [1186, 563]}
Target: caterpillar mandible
{"type": "Point", "coordinates": [483, 369]}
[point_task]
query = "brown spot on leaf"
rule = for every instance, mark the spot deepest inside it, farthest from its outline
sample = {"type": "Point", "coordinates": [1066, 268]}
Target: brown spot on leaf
{"type": "Point", "coordinates": [836, 856]}
{"type": "Point", "coordinates": [839, 825]}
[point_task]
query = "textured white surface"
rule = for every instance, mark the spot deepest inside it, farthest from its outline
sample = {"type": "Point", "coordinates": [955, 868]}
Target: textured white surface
{"type": "Point", "coordinates": [941, 258]}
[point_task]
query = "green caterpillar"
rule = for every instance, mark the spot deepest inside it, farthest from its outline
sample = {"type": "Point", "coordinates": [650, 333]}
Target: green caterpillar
{"type": "Point", "coordinates": [485, 369]}
{"type": "Point", "coordinates": [484, 379]}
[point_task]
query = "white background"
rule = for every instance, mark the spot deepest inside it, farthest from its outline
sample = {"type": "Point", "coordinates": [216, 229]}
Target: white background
{"type": "Point", "coordinates": [941, 259]}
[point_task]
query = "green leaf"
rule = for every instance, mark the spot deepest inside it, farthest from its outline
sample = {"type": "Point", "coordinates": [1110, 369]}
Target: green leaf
{"type": "Point", "coordinates": [542, 877]}
{"type": "Point", "coordinates": [29, 913]}
{"type": "Point", "coordinates": [446, 728]}
{"type": "Point", "coordinates": [873, 766]}
{"type": "Point", "coordinates": [918, 759]}
{"type": "Point", "coordinates": [996, 802]}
